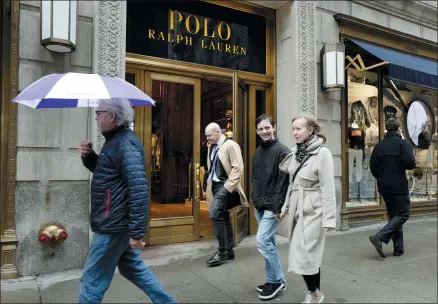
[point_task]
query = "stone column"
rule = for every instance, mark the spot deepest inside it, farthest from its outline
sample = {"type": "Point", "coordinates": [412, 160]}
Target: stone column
{"type": "Point", "coordinates": [296, 68]}
{"type": "Point", "coordinates": [109, 46]}
{"type": "Point", "coordinates": [307, 84]}
{"type": "Point", "coordinates": [109, 51]}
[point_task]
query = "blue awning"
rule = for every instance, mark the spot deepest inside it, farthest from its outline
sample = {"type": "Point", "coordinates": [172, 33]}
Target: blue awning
{"type": "Point", "coordinates": [404, 67]}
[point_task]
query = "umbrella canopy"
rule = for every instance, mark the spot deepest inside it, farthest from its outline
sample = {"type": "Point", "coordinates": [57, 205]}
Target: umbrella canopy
{"type": "Point", "coordinates": [72, 90]}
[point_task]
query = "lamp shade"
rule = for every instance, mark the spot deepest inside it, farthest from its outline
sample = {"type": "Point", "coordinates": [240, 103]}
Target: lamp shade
{"type": "Point", "coordinates": [58, 25]}
{"type": "Point", "coordinates": [333, 66]}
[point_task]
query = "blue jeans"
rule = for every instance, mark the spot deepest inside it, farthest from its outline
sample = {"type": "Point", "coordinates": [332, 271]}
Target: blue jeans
{"type": "Point", "coordinates": [267, 246]}
{"type": "Point", "coordinates": [108, 251]}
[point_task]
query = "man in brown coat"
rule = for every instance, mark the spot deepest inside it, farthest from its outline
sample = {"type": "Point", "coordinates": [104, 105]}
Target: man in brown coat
{"type": "Point", "coordinates": [224, 189]}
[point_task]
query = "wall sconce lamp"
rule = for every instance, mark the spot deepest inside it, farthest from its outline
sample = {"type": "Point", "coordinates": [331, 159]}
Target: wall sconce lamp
{"type": "Point", "coordinates": [333, 66]}
{"type": "Point", "coordinates": [58, 25]}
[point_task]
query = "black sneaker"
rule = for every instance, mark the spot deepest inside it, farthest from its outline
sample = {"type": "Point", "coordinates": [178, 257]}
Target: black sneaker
{"type": "Point", "coordinates": [260, 287]}
{"type": "Point", "coordinates": [270, 290]}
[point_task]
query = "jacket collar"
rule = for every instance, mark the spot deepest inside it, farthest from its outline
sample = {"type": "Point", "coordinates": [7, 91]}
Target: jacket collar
{"type": "Point", "coordinates": [110, 134]}
{"type": "Point", "coordinates": [392, 134]}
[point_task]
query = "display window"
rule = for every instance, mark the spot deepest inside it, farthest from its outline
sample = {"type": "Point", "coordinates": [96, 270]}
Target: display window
{"type": "Point", "coordinates": [416, 109]}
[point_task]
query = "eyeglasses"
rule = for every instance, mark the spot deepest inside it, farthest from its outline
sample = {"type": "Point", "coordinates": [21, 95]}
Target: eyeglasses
{"type": "Point", "coordinates": [99, 112]}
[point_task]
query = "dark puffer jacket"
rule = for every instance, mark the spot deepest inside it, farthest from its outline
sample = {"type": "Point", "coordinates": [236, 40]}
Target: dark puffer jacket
{"type": "Point", "coordinates": [389, 161]}
{"type": "Point", "coordinates": [119, 190]}
{"type": "Point", "coordinates": [269, 184]}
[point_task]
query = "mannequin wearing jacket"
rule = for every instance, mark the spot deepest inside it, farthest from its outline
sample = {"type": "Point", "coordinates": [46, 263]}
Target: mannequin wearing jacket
{"type": "Point", "coordinates": [356, 153]}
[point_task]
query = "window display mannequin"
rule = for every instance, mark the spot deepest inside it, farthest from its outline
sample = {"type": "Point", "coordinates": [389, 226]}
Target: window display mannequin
{"type": "Point", "coordinates": [371, 136]}
{"type": "Point", "coordinates": [356, 153]}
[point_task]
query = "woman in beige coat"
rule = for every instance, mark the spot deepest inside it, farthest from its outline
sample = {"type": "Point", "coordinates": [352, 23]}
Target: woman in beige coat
{"type": "Point", "coordinates": [310, 202]}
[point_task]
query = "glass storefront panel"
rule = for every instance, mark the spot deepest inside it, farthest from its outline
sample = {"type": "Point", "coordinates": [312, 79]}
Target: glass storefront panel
{"type": "Point", "coordinates": [416, 109]}
{"type": "Point", "coordinates": [362, 135]}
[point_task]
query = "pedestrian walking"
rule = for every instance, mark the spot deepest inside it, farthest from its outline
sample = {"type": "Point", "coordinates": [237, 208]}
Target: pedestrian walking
{"type": "Point", "coordinates": [119, 207]}
{"type": "Point", "coordinates": [389, 161]}
{"type": "Point", "coordinates": [310, 202]}
{"type": "Point", "coordinates": [269, 187]}
{"type": "Point", "coordinates": [224, 189]}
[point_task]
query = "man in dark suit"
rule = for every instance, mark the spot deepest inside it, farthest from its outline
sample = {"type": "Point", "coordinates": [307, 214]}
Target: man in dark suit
{"type": "Point", "coordinates": [389, 161]}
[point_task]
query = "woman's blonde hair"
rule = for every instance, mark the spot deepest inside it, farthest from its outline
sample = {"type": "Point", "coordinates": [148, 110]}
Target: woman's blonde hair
{"type": "Point", "coordinates": [312, 123]}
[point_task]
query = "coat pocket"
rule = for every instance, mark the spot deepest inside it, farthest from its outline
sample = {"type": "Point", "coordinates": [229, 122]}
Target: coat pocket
{"type": "Point", "coordinates": [108, 202]}
{"type": "Point", "coordinates": [307, 205]}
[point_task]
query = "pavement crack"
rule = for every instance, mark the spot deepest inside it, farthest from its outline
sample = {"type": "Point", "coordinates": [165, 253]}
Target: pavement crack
{"type": "Point", "coordinates": [216, 288]}
{"type": "Point", "coordinates": [386, 284]}
{"type": "Point", "coordinates": [40, 289]}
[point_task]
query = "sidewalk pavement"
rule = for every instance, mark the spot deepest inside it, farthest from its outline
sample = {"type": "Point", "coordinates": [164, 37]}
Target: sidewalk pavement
{"type": "Point", "coordinates": [352, 272]}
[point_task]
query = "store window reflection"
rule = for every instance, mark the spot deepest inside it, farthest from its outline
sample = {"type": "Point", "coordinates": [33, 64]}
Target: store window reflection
{"type": "Point", "coordinates": [362, 136]}
{"type": "Point", "coordinates": [416, 108]}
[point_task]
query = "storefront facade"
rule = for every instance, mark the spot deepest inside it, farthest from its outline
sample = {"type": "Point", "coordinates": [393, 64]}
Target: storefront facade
{"type": "Point", "coordinates": [202, 61]}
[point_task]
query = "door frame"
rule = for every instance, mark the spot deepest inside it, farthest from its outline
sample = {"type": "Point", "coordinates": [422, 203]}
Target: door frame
{"type": "Point", "coordinates": [145, 66]}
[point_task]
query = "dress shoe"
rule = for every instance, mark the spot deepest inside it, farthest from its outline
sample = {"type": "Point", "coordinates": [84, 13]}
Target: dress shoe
{"type": "Point", "coordinates": [231, 255]}
{"type": "Point", "coordinates": [218, 259]}
{"type": "Point", "coordinates": [378, 245]}
{"type": "Point", "coordinates": [398, 252]}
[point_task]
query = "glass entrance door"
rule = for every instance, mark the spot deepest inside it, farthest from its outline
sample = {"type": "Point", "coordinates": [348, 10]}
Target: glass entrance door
{"type": "Point", "coordinates": [174, 153]}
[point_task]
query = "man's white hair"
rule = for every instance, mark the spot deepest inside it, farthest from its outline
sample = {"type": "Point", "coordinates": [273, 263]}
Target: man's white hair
{"type": "Point", "coordinates": [213, 127]}
{"type": "Point", "coordinates": [121, 108]}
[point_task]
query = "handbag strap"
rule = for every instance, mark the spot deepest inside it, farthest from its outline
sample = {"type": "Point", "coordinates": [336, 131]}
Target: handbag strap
{"type": "Point", "coordinates": [299, 167]}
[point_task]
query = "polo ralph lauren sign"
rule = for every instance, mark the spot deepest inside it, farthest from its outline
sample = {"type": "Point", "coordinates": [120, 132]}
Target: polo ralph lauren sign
{"type": "Point", "coordinates": [197, 32]}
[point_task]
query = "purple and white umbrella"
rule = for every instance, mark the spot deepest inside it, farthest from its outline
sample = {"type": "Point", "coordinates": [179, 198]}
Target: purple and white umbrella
{"type": "Point", "coordinates": [73, 90]}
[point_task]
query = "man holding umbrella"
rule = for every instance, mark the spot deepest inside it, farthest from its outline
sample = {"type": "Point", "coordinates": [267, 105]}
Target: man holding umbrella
{"type": "Point", "coordinates": [119, 207]}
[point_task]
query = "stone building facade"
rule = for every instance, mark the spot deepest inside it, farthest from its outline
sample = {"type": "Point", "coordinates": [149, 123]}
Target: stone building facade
{"type": "Point", "coordinates": [45, 181]}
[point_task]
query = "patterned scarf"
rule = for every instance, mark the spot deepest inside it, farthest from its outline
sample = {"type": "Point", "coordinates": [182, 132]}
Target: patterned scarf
{"type": "Point", "coordinates": [303, 148]}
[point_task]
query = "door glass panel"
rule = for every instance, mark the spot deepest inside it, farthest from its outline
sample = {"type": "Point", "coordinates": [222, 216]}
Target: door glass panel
{"type": "Point", "coordinates": [216, 106]}
{"type": "Point", "coordinates": [130, 77]}
{"type": "Point", "coordinates": [172, 150]}
{"type": "Point", "coordinates": [260, 109]}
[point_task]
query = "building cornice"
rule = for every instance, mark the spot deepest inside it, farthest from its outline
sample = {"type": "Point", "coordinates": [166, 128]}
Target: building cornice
{"type": "Point", "coordinates": [417, 11]}
{"type": "Point", "coordinates": [349, 21]}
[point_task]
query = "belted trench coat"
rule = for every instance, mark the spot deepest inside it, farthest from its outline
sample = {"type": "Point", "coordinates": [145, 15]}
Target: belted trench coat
{"type": "Point", "coordinates": [311, 207]}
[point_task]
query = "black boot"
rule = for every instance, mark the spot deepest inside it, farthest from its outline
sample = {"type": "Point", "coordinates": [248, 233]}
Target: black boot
{"type": "Point", "coordinates": [230, 241]}
{"type": "Point", "coordinates": [218, 259]}
{"type": "Point", "coordinates": [377, 243]}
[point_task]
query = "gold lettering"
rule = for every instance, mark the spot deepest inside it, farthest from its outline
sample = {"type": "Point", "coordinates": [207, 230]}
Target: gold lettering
{"type": "Point", "coordinates": [227, 48]}
{"type": "Point", "coordinates": [172, 19]}
{"type": "Point", "coordinates": [220, 33]}
{"type": "Point", "coordinates": [212, 46]}
{"type": "Point", "coordinates": [189, 41]}
{"type": "Point", "coordinates": [206, 29]}
{"type": "Point", "coordinates": [203, 44]}
{"type": "Point", "coordinates": [161, 36]}
{"type": "Point", "coordinates": [235, 50]}
{"type": "Point", "coordinates": [151, 34]}
{"type": "Point", "coordinates": [220, 47]}
{"type": "Point", "coordinates": [179, 38]}
{"type": "Point", "coordinates": [243, 50]}
{"type": "Point", "coordinates": [169, 38]}
{"type": "Point", "coordinates": [197, 25]}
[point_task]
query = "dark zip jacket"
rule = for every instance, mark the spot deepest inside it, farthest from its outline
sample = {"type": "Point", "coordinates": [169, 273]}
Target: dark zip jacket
{"type": "Point", "coordinates": [269, 184]}
{"type": "Point", "coordinates": [119, 190]}
{"type": "Point", "coordinates": [389, 161]}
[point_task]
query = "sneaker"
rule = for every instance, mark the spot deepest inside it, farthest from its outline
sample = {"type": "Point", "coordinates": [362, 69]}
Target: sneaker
{"type": "Point", "coordinates": [270, 290]}
{"type": "Point", "coordinates": [308, 298]}
{"type": "Point", "coordinates": [260, 287]}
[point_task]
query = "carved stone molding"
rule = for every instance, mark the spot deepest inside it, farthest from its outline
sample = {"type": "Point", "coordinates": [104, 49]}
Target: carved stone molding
{"type": "Point", "coordinates": [306, 12]}
{"type": "Point", "coordinates": [109, 43]}
{"type": "Point", "coordinates": [8, 234]}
